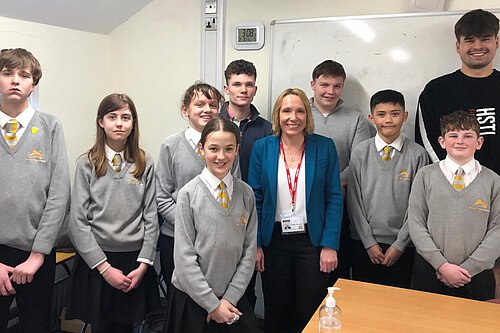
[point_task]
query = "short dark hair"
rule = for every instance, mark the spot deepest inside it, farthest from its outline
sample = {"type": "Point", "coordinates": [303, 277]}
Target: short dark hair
{"type": "Point", "coordinates": [328, 68]}
{"type": "Point", "coordinates": [220, 124]}
{"type": "Point", "coordinates": [387, 96]}
{"type": "Point", "coordinates": [476, 23]}
{"type": "Point", "coordinates": [459, 121]}
{"type": "Point", "coordinates": [240, 66]}
{"type": "Point", "coordinates": [21, 58]}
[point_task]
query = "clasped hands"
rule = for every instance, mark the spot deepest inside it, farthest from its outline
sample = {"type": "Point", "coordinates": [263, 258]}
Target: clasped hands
{"type": "Point", "coordinates": [453, 276]}
{"type": "Point", "coordinates": [225, 313]}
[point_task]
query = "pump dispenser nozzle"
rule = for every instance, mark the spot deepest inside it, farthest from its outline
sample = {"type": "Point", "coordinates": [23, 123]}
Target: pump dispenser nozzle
{"type": "Point", "coordinates": [330, 301]}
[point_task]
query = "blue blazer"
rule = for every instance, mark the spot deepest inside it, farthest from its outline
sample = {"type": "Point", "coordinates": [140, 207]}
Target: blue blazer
{"type": "Point", "coordinates": [323, 192]}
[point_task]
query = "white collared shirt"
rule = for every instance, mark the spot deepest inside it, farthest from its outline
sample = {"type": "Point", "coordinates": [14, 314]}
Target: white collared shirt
{"type": "Point", "coordinates": [283, 197]}
{"type": "Point", "coordinates": [449, 168]}
{"type": "Point", "coordinates": [193, 137]}
{"type": "Point", "coordinates": [212, 182]}
{"type": "Point", "coordinates": [23, 118]}
{"type": "Point", "coordinates": [110, 154]}
{"type": "Point", "coordinates": [396, 144]}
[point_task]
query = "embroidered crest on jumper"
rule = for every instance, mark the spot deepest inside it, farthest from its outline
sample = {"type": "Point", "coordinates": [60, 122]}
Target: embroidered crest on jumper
{"type": "Point", "coordinates": [243, 221]}
{"type": "Point", "coordinates": [135, 181]}
{"type": "Point", "coordinates": [36, 156]}
{"type": "Point", "coordinates": [403, 175]}
{"type": "Point", "coordinates": [34, 130]}
{"type": "Point", "coordinates": [479, 205]}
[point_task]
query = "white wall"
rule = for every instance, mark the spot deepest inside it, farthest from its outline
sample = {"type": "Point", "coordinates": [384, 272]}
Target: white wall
{"type": "Point", "coordinates": [268, 10]}
{"type": "Point", "coordinates": [154, 57]}
{"type": "Point", "coordinates": [74, 75]}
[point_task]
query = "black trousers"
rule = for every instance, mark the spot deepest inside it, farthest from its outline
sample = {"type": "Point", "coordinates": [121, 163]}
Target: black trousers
{"type": "Point", "coordinates": [116, 328]}
{"type": "Point", "coordinates": [166, 245]}
{"type": "Point", "coordinates": [481, 287]}
{"type": "Point", "coordinates": [345, 250]}
{"type": "Point", "coordinates": [292, 283]}
{"type": "Point", "coordinates": [398, 275]}
{"type": "Point", "coordinates": [33, 299]}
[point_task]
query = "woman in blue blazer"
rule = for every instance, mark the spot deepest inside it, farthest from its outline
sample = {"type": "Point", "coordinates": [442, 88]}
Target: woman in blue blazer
{"type": "Point", "coordinates": [295, 177]}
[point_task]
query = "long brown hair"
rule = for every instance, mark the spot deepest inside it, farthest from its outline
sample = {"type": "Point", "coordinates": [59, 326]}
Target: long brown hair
{"type": "Point", "coordinates": [133, 153]}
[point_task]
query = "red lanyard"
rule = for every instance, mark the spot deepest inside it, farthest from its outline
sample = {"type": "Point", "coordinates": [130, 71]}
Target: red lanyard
{"type": "Point", "coordinates": [292, 189]}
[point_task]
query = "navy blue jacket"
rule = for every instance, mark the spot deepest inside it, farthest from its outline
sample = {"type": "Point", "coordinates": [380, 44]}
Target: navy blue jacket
{"type": "Point", "coordinates": [251, 130]}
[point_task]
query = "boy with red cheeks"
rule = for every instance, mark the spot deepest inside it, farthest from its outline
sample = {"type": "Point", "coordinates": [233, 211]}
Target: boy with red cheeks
{"type": "Point", "coordinates": [454, 216]}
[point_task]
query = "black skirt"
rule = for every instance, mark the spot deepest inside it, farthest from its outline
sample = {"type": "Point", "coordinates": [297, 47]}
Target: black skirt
{"type": "Point", "coordinates": [185, 316]}
{"type": "Point", "coordinates": [94, 301]}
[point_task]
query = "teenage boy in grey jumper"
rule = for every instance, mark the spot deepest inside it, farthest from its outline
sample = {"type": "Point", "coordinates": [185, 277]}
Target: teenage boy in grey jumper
{"type": "Point", "coordinates": [454, 216]}
{"type": "Point", "coordinates": [34, 182]}
{"type": "Point", "coordinates": [381, 173]}
{"type": "Point", "coordinates": [347, 127]}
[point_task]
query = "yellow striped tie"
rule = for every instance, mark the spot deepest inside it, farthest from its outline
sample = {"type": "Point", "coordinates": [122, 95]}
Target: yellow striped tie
{"type": "Point", "coordinates": [386, 156]}
{"type": "Point", "coordinates": [198, 151]}
{"type": "Point", "coordinates": [222, 196]}
{"type": "Point", "coordinates": [458, 180]}
{"type": "Point", "coordinates": [11, 128]}
{"type": "Point", "coordinates": [117, 162]}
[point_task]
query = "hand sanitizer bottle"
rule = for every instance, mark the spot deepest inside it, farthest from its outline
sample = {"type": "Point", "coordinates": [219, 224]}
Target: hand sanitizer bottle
{"type": "Point", "coordinates": [330, 314]}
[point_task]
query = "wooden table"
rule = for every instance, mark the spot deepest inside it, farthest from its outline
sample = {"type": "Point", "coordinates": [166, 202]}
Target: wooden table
{"type": "Point", "coordinates": [369, 307]}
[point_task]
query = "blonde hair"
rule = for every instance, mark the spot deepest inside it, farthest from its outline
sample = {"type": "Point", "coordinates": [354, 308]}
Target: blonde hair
{"type": "Point", "coordinates": [275, 117]}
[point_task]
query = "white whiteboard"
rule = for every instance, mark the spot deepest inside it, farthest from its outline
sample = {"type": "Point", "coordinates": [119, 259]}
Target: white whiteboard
{"type": "Point", "coordinates": [427, 41]}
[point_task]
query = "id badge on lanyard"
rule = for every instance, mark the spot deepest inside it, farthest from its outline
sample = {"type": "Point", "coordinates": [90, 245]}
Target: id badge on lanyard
{"type": "Point", "coordinates": [292, 222]}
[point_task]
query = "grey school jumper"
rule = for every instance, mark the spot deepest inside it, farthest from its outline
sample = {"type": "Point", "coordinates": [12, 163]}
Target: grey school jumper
{"type": "Point", "coordinates": [178, 163]}
{"type": "Point", "coordinates": [116, 212]}
{"type": "Point", "coordinates": [215, 248]}
{"type": "Point", "coordinates": [346, 127]}
{"type": "Point", "coordinates": [378, 191]}
{"type": "Point", "coordinates": [35, 186]}
{"type": "Point", "coordinates": [459, 227]}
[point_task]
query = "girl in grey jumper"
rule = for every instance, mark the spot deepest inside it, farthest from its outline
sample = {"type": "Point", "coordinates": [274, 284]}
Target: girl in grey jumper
{"type": "Point", "coordinates": [180, 161]}
{"type": "Point", "coordinates": [215, 243]}
{"type": "Point", "coordinates": [114, 225]}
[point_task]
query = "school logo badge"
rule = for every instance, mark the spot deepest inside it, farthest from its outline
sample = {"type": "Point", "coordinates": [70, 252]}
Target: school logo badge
{"type": "Point", "coordinates": [34, 130]}
{"type": "Point", "coordinates": [36, 156]}
{"type": "Point", "coordinates": [403, 175]}
{"type": "Point", "coordinates": [243, 221]}
{"type": "Point", "coordinates": [135, 181]}
{"type": "Point", "coordinates": [479, 205]}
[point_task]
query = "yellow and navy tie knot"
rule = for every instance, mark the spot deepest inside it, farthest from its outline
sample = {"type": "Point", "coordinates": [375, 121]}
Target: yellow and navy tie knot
{"type": "Point", "coordinates": [222, 196]}
{"type": "Point", "coordinates": [117, 162]}
{"type": "Point", "coordinates": [386, 156]}
{"type": "Point", "coordinates": [11, 127]}
{"type": "Point", "coordinates": [458, 180]}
